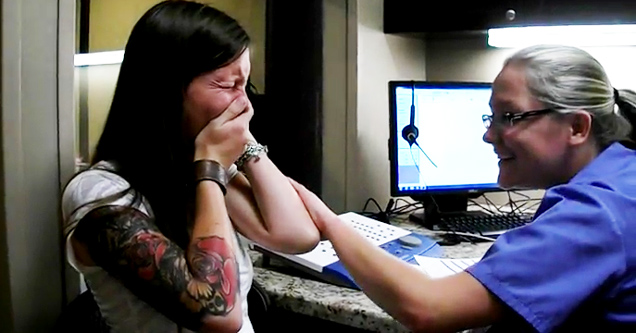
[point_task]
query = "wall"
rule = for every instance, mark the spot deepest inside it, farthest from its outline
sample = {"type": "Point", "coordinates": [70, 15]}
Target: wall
{"type": "Point", "coordinates": [37, 57]}
{"type": "Point", "coordinates": [96, 86]}
{"type": "Point", "coordinates": [335, 95]}
{"type": "Point", "coordinates": [380, 58]}
{"type": "Point", "coordinates": [469, 59]}
{"type": "Point", "coordinates": [112, 20]}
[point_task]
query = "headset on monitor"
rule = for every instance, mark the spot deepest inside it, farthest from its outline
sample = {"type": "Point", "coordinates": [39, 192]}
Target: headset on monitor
{"type": "Point", "coordinates": [410, 132]}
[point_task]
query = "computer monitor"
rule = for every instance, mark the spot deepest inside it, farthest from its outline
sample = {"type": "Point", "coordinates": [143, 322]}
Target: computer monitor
{"type": "Point", "coordinates": [446, 162]}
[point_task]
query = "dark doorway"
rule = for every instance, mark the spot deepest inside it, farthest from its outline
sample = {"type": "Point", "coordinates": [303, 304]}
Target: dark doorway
{"type": "Point", "coordinates": [288, 117]}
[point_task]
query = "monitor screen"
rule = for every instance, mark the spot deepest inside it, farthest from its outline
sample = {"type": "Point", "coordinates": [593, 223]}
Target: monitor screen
{"type": "Point", "coordinates": [452, 156]}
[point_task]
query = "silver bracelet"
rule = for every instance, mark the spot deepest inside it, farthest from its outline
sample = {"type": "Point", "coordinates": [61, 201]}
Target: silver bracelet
{"type": "Point", "coordinates": [252, 150]}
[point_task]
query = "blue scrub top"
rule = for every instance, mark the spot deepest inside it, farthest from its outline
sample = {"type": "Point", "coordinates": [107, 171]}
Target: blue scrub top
{"type": "Point", "coordinates": [573, 269]}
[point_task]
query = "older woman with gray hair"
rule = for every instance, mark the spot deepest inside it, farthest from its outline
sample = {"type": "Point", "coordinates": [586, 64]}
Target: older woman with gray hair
{"type": "Point", "coordinates": [557, 124]}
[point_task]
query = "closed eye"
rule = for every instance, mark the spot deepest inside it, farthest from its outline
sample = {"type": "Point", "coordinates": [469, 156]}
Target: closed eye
{"type": "Point", "coordinates": [234, 85]}
{"type": "Point", "coordinates": [222, 84]}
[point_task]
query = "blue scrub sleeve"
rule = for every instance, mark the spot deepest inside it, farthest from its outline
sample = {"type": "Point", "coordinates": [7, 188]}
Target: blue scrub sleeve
{"type": "Point", "coordinates": [545, 270]}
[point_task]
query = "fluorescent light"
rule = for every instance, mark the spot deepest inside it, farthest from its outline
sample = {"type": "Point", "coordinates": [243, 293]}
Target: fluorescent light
{"type": "Point", "coordinates": [99, 58]}
{"type": "Point", "coordinates": [574, 35]}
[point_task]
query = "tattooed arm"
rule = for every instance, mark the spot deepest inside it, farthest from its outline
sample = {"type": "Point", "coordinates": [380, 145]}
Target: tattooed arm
{"type": "Point", "coordinates": [198, 289]}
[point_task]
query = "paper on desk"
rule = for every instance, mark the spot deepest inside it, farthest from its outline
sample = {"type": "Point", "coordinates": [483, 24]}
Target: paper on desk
{"type": "Point", "coordinates": [441, 267]}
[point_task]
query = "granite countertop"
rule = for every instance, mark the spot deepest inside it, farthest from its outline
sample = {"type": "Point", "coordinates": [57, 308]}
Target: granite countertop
{"type": "Point", "coordinates": [305, 295]}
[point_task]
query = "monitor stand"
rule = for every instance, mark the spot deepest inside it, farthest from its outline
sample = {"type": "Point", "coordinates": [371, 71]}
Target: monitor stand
{"type": "Point", "coordinates": [440, 205]}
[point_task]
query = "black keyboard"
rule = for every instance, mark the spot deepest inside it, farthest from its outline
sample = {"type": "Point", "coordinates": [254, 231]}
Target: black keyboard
{"type": "Point", "coordinates": [485, 225]}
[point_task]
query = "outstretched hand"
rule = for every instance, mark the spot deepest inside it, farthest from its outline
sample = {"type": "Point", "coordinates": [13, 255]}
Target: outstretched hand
{"type": "Point", "coordinates": [317, 209]}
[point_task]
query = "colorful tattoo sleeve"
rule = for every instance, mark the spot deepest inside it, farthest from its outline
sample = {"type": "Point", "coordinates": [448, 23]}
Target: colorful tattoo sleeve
{"type": "Point", "coordinates": [130, 247]}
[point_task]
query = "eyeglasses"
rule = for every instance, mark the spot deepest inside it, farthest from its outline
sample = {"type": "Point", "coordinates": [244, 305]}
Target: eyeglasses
{"type": "Point", "coordinates": [509, 119]}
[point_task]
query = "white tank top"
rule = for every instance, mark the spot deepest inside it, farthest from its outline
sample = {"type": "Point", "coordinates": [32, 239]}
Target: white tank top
{"type": "Point", "coordinates": [122, 310]}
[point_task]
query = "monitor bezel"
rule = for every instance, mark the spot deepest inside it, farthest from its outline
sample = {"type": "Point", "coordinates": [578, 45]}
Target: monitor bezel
{"type": "Point", "coordinates": [393, 137]}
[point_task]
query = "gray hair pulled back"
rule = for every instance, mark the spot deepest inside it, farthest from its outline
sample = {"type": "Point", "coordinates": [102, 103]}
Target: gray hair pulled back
{"type": "Point", "coordinates": [569, 79]}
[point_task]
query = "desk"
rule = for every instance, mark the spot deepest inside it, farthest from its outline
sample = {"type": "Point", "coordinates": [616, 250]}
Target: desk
{"type": "Point", "coordinates": [337, 304]}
